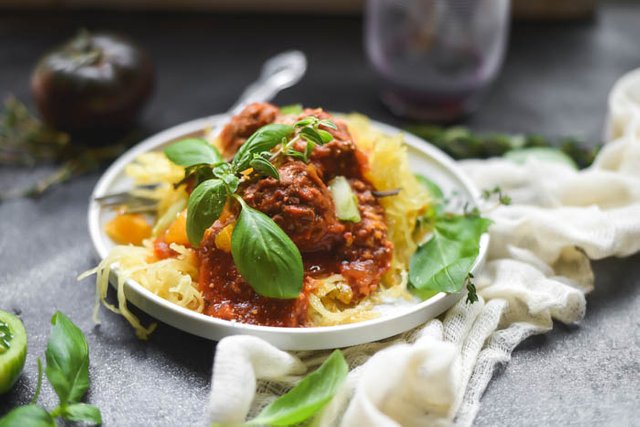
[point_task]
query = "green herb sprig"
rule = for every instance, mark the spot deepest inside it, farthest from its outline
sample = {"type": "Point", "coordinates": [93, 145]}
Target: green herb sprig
{"type": "Point", "coordinates": [444, 262]}
{"type": "Point", "coordinates": [26, 142]}
{"type": "Point", "coordinates": [67, 370]}
{"type": "Point", "coordinates": [462, 143]}
{"type": "Point", "coordinates": [263, 253]}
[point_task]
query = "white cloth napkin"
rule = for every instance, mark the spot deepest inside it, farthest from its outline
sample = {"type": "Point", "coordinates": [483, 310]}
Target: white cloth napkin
{"type": "Point", "coordinates": [537, 271]}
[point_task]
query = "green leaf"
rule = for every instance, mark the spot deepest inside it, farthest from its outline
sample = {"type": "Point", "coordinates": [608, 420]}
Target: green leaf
{"type": "Point", "coordinates": [291, 109]}
{"type": "Point", "coordinates": [265, 256]}
{"type": "Point", "coordinates": [82, 412]}
{"type": "Point", "coordinates": [546, 154]}
{"type": "Point", "coordinates": [434, 190]}
{"type": "Point", "coordinates": [192, 151]}
{"type": "Point", "coordinates": [308, 397]}
{"type": "Point", "coordinates": [328, 124]}
{"type": "Point", "coordinates": [311, 135]}
{"type": "Point", "coordinates": [204, 207]}
{"type": "Point", "coordinates": [309, 120]}
{"type": "Point", "coordinates": [264, 166]}
{"type": "Point", "coordinates": [27, 416]}
{"type": "Point", "coordinates": [345, 200]}
{"type": "Point", "coordinates": [444, 262]}
{"type": "Point", "coordinates": [326, 136]}
{"type": "Point", "coordinates": [264, 139]}
{"type": "Point", "coordinates": [67, 360]}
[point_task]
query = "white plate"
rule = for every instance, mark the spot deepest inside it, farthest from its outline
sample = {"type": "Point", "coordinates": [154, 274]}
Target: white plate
{"type": "Point", "coordinates": [423, 158]}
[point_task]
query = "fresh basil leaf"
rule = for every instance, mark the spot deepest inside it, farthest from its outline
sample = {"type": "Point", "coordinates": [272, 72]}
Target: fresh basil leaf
{"type": "Point", "coordinates": [311, 135]}
{"type": "Point", "coordinates": [67, 357]}
{"type": "Point", "coordinates": [27, 416]}
{"type": "Point", "coordinates": [444, 262]}
{"type": "Point", "coordinates": [346, 202]}
{"type": "Point", "coordinates": [328, 124]}
{"type": "Point", "coordinates": [197, 173]}
{"type": "Point", "coordinates": [82, 412]}
{"type": "Point", "coordinates": [265, 256]}
{"type": "Point", "coordinates": [264, 166]}
{"type": "Point", "coordinates": [232, 183]}
{"type": "Point", "coordinates": [222, 169]}
{"type": "Point", "coordinates": [309, 120]}
{"type": "Point", "coordinates": [308, 150]}
{"type": "Point", "coordinates": [204, 207]}
{"type": "Point", "coordinates": [192, 151]}
{"type": "Point", "coordinates": [264, 139]}
{"type": "Point", "coordinates": [291, 109]}
{"type": "Point", "coordinates": [326, 136]}
{"type": "Point", "coordinates": [308, 397]}
{"type": "Point", "coordinates": [297, 155]}
{"type": "Point", "coordinates": [434, 190]}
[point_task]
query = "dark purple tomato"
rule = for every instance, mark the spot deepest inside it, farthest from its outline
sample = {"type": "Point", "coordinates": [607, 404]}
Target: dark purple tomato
{"type": "Point", "coordinates": [93, 83]}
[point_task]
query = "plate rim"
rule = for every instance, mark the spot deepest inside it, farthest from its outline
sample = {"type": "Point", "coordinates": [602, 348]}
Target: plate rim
{"type": "Point", "coordinates": [196, 125]}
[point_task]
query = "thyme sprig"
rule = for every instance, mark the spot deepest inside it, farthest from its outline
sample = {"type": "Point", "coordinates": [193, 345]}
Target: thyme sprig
{"type": "Point", "coordinates": [462, 143]}
{"type": "Point", "coordinates": [25, 141]}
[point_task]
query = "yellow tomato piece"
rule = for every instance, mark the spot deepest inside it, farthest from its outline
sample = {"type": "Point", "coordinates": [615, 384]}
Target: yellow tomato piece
{"type": "Point", "coordinates": [128, 228]}
{"type": "Point", "coordinates": [177, 231]}
{"type": "Point", "coordinates": [223, 238]}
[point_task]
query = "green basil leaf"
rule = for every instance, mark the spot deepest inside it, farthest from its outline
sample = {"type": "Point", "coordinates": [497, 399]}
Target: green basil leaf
{"type": "Point", "coordinates": [443, 263]}
{"type": "Point", "coordinates": [192, 151]}
{"type": "Point", "coordinates": [198, 173]}
{"type": "Point", "coordinates": [346, 202]}
{"type": "Point", "coordinates": [82, 412]}
{"type": "Point", "coordinates": [204, 207]}
{"type": "Point", "coordinates": [311, 135]}
{"type": "Point", "coordinates": [434, 190]}
{"type": "Point", "coordinates": [291, 109]}
{"type": "Point", "coordinates": [297, 155]}
{"type": "Point", "coordinates": [328, 124]}
{"type": "Point", "coordinates": [232, 183]}
{"type": "Point", "coordinates": [308, 397]}
{"type": "Point", "coordinates": [222, 170]}
{"type": "Point", "coordinates": [309, 120]}
{"type": "Point", "coordinates": [326, 136]}
{"type": "Point", "coordinates": [264, 166]}
{"type": "Point", "coordinates": [265, 256]}
{"type": "Point", "coordinates": [67, 357]}
{"type": "Point", "coordinates": [27, 416]}
{"type": "Point", "coordinates": [308, 150]}
{"type": "Point", "coordinates": [264, 139]}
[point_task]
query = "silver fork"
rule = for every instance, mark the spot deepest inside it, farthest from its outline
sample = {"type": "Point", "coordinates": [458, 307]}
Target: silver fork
{"type": "Point", "coordinates": [278, 73]}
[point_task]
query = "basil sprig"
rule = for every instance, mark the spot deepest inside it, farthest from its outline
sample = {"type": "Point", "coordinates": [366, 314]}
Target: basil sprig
{"type": "Point", "coordinates": [265, 256]}
{"type": "Point", "coordinates": [308, 397]}
{"type": "Point", "coordinates": [67, 370]}
{"type": "Point", "coordinates": [443, 263]}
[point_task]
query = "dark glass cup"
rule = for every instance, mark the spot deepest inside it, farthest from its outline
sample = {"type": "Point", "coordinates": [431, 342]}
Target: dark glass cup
{"type": "Point", "coordinates": [435, 58]}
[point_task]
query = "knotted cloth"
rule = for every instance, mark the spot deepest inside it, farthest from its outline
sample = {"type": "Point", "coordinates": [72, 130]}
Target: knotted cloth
{"type": "Point", "coordinates": [537, 271]}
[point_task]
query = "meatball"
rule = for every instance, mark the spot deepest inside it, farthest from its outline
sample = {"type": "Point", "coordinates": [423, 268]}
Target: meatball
{"type": "Point", "coordinates": [366, 252]}
{"type": "Point", "coordinates": [301, 204]}
{"type": "Point", "coordinates": [244, 124]}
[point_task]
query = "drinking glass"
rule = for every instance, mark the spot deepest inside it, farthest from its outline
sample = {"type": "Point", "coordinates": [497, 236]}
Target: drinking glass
{"type": "Point", "coordinates": [435, 58]}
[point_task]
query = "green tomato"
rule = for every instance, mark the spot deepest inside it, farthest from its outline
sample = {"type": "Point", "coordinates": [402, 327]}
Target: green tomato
{"type": "Point", "coordinates": [13, 350]}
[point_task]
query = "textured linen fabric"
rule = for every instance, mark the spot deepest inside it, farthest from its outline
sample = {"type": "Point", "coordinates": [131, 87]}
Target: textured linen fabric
{"type": "Point", "coordinates": [537, 272]}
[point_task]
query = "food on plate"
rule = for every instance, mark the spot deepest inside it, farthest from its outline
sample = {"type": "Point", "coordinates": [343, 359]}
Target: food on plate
{"type": "Point", "coordinates": [13, 350]}
{"type": "Point", "coordinates": [289, 217]}
{"type": "Point", "coordinates": [95, 81]}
